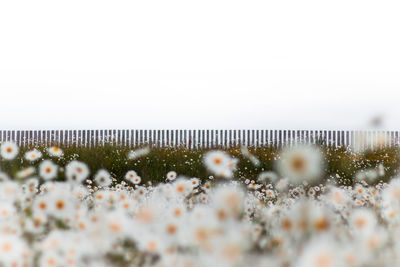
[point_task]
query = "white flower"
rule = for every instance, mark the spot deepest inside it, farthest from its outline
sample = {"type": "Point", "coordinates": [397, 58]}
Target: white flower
{"type": "Point", "coordinates": [381, 170]}
{"type": "Point", "coordinates": [362, 221]}
{"type": "Point", "coordinates": [182, 187]}
{"type": "Point", "coordinates": [8, 190]}
{"type": "Point", "coordinates": [338, 197]}
{"type": "Point", "coordinates": [207, 186]}
{"type": "Point", "coordinates": [33, 155]}
{"type": "Point", "coordinates": [4, 177]}
{"type": "Point", "coordinates": [76, 171]}
{"type": "Point", "coordinates": [103, 178]}
{"type": "Point", "coordinates": [369, 175]}
{"type": "Point", "coordinates": [26, 172]}
{"type": "Point", "coordinates": [136, 180]}
{"type": "Point", "coordinates": [267, 175]}
{"type": "Point", "coordinates": [195, 181]}
{"type": "Point", "coordinates": [269, 193]}
{"type": "Point", "coordinates": [135, 154]}
{"type": "Point", "coordinates": [220, 163]}
{"type": "Point", "coordinates": [48, 170]}
{"type": "Point", "coordinates": [60, 204]}
{"type": "Point", "coordinates": [55, 151]}
{"type": "Point", "coordinates": [12, 249]}
{"type": "Point", "coordinates": [151, 244]}
{"type": "Point", "coordinates": [282, 184]}
{"type": "Point", "coordinates": [9, 150]}
{"type": "Point", "coordinates": [31, 186]}
{"type": "Point", "coordinates": [7, 210]}
{"type": "Point", "coordinates": [51, 258]}
{"type": "Point", "coordinates": [391, 194]}
{"type": "Point", "coordinates": [374, 240]}
{"type": "Point", "coordinates": [246, 153]}
{"type": "Point", "coordinates": [130, 175]}
{"type": "Point", "coordinates": [320, 253]}
{"type": "Point", "coordinates": [41, 204]}
{"type": "Point", "coordinates": [300, 163]}
{"type": "Point", "coordinates": [253, 186]}
{"type": "Point", "coordinates": [80, 192]}
{"type": "Point", "coordinates": [171, 175]}
{"type": "Point", "coordinates": [229, 199]}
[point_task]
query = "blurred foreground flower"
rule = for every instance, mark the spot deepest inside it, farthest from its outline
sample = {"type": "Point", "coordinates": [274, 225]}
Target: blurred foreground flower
{"type": "Point", "coordinates": [48, 170]}
{"type": "Point", "coordinates": [25, 173]}
{"type": "Point", "coordinates": [300, 163]}
{"type": "Point", "coordinates": [246, 153]}
{"type": "Point", "coordinates": [9, 150]}
{"type": "Point", "coordinates": [135, 154]}
{"type": "Point", "coordinates": [267, 176]}
{"type": "Point", "coordinates": [103, 178]}
{"type": "Point", "coordinates": [76, 171]}
{"type": "Point", "coordinates": [220, 163]}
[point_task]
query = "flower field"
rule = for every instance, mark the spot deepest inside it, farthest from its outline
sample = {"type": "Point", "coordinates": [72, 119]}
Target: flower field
{"type": "Point", "coordinates": [113, 206]}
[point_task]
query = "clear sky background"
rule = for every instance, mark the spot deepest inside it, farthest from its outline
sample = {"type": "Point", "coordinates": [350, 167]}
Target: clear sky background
{"type": "Point", "coordinates": [199, 64]}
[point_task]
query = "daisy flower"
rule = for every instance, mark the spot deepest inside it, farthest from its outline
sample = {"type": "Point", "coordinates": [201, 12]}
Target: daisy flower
{"type": "Point", "coordinates": [135, 154]}
{"type": "Point", "coordinates": [253, 186]}
{"type": "Point", "coordinates": [381, 170]}
{"type": "Point", "coordinates": [269, 193]}
{"type": "Point", "coordinates": [51, 259]}
{"type": "Point", "coordinates": [171, 175]}
{"type": "Point", "coordinates": [267, 175]}
{"type": "Point", "coordinates": [182, 187]}
{"type": "Point", "coordinates": [55, 151]}
{"type": "Point", "coordinates": [76, 171]}
{"type": "Point", "coordinates": [220, 163]}
{"type": "Point", "coordinates": [203, 197]}
{"type": "Point", "coordinates": [24, 173]}
{"type": "Point", "coordinates": [7, 210]}
{"type": "Point", "coordinates": [33, 155]}
{"type": "Point", "coordinates": [369, 175]}
{"type": "Point", "coordinates": [60, 205]}
{"type": "Point", "coordinates": [31, 185]}
{"type": "Point", "coordinates": [4, 177]}
{"type": "Point", "coordinates": [391, 194]}
{"type": "Point", "coordinates": [195, 181]}
{"type": "Point", "coordinates": [151, 244]}
{"type": "Point", "coordinates": [41, 204]}
{"type": "Point", "coordinates": [301, 163]}
{"type": "Point", "coordinates": [48, 170]}
{"type": "Point", "coordinates": [207, 186]}
{"type": "Point", "coordinates": [282, 184]}
{"type": "Point", "coordinates": [9, 150]}
{"type": "Point", "coordinates": [362, 221]}
{"type": "Point", "coordinates": [130, 175]}
{"type": "Point", "coordinates": [116, 223]}
{"type": "Point", "coordinates": [171, 228]}
{"type": "Point", "coordinates": [11, 249]}
{"type": "Point", "coordinates": [320, 253]}
{"type": "Point", "coordinates": [230, 198]}
{"type": "Point", "coordinates": [103, 178]}
{"type": "Point", "coordinates": [246, 153]}
{"type": "Point", "coordinates": [136, 180]}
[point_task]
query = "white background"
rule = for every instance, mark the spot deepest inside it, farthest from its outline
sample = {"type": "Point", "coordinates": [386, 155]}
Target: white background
{"type": "Point", "coordinates": [199, 64]}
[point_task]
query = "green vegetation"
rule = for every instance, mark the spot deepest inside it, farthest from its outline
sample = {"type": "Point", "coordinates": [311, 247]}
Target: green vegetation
{"type": "Point", "coordinates": [341, 163]}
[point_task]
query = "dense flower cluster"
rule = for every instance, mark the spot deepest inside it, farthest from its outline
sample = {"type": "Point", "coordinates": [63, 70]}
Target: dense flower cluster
{"type": "Point", "coordinates": [289, 217]}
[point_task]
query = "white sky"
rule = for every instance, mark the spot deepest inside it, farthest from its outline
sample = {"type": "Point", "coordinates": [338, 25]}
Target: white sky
{"type": "Point", "coordinates": [199, 64]}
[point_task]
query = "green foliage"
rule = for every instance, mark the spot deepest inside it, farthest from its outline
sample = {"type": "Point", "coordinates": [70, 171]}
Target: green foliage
{"type": "Point", "coordinates": [340, 163]}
